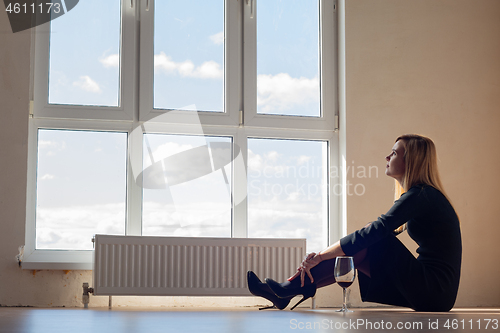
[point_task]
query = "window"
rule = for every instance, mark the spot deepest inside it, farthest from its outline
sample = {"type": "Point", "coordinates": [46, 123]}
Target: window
{"type": "Point", "coordinates": [189, 55]}
{"type": "Point", "coordinates": [182, 118]}
{"type": "Point", "coordinates": [84, 62]}
{"type": "Point", "coordinates": [81, 187]}
{"type": "Point", "coordinates": [287, 190]}
{"type": "Point", "coordinates": [192, 197]}
{"type": "Point", "coordinates": [288, 58]}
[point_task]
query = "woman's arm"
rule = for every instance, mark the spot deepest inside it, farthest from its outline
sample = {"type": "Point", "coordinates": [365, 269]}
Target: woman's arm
{"type": "Point", "coordinates": [313, 259]}
{"type": "Point", "coordinates": [403, 210]}
{"type": "Point", "coordinates": [331, 252]}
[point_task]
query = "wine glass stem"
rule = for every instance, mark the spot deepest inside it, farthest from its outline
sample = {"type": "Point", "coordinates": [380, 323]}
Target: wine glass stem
{"type": "Point", "coordinates": [344, 306]}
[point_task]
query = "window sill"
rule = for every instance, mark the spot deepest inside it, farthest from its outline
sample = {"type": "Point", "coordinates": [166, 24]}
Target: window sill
{"type": "Point", "coordinates": [58, 260]}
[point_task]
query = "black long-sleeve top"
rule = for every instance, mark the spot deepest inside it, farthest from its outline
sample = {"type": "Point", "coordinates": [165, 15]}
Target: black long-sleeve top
{"type": "Point", "coordinates": [432, 224]}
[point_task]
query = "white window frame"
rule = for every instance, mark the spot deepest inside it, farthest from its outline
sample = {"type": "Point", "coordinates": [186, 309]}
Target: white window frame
{"type": "Point", "coordinates": [239, 119]}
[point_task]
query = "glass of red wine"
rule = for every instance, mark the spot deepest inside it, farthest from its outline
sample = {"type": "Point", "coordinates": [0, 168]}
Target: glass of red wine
{"type": "Point", "coordinates": [344, 273]}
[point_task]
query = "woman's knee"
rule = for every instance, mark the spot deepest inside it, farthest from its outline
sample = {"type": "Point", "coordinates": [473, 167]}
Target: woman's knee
{"type": "Point", "coordinates": [362, 263]}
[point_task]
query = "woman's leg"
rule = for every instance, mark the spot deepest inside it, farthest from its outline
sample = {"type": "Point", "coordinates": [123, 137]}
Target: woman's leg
{"type": "Point", "coordinates": [362, 263]}
{"type": "Point", "coordinates": [323, 272]}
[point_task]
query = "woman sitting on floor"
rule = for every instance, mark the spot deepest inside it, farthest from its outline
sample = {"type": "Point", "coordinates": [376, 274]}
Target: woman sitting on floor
{"type": "Point", "coordinates": [388, 271]}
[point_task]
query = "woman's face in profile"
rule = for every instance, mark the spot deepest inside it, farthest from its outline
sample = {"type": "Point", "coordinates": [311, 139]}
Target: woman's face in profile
{"type": "Point", "coordinates": [395, 167]}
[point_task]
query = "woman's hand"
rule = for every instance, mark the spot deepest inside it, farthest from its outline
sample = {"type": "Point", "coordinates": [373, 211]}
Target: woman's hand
{"type": "Point", "coordinates": [311, 260]}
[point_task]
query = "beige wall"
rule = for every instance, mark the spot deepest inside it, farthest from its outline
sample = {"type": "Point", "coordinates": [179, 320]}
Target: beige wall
{"type": "Point", "coordinates": [433, 68]}
{"type": "Point", "coordinates": [14, 101]}
{"type": "Point", "coordinates": [429, 67]}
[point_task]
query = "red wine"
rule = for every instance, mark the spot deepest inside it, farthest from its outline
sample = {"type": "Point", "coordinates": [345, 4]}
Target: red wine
{"type": "Point", "coordinates": [344, 284]}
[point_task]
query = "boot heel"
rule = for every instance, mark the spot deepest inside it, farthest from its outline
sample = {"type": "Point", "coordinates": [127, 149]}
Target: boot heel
{"type": "Point", "coordinates": [306, 291]}
{"type": "Point", "coordinates": [268, 307]}
{"type": "Point", "coordinates": [302, 300]}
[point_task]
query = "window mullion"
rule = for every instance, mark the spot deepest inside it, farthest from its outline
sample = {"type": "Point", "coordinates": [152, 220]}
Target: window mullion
{"type": "Point", "coordinates": [41, 69]}
{"type": "Point", "coordinates": [328, 61]}
{"type": "Point", "coordinates": [249, 62]}
{"type": "Point", "coordinates": [31, 189]}
{"type": "Point", "coordinates": [129, 60]}
{"type": "Point", "coordinates": [240, 199]}
{"type": "Point", "coordinates": [233, 60]}
{"type": "Point", "coordinates": [131, 99]}
{"type": "Point", "coordinates": [134, 191]}
{"type": "Point", "coordinates": [146, 82]}
{"type": "Point", "coordinates": [335, 193]}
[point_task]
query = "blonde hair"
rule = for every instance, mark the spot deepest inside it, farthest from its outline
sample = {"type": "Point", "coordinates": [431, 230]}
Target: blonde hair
{"type": "Point", "coordinates": [420, 159]}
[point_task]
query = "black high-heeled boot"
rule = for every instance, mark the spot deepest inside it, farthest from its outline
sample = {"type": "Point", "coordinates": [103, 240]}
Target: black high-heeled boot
{"type": "Point", "coordinates": [306, 291]}
{"type": "Point", "coordinates": [258, 288]}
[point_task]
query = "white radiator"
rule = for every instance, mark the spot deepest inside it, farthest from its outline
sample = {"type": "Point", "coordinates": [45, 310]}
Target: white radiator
{"type": "Point", "coordinates": [189, 266]}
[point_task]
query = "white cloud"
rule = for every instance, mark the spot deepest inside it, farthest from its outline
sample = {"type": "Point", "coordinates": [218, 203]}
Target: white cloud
{"type": "Point", "coordinates": [87, 84]}
{"type": "Point", "coordinates": [51, 147]}
{"type": "Point", "coordinates": [73, 227]}
{"type": "Point", "coordinates": [287, 219]}
{"type": "Point", "coordinates": [285, 197]}
{"type": "Point", "coordinates": [47, 177]}
{"type": "Point", "coordinates": [165, 150]}
{"type": "Point", "coordinates": [255, 161]}
{"type": "Point", "coordinates": [165, 63]}
{"type": "Point", "coordinates": [43, 144]}
{"type": "Point", "coordinates": [271, 165]}
{"type": "Point", "coordinates": [207, 70]}
{"type": "Point", "coordinates": [303, 159]}
{"type": "Point", "coordinates": [207, 214]}
{"type": "Point", "coordinates": [218, 38]}
{"type": "Point", "coordinates": [113, 60]}
{"type": "Point", "coordinates": [281, 91]}
{"type": "Point", "coordinates": [272, 156]}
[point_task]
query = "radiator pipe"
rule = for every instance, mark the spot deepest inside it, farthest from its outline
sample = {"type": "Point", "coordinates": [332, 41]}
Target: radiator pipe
{"type": "Point", "coordinates": [86, 292]}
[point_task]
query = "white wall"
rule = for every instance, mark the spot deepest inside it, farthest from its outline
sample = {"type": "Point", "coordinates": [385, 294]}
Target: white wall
{"type": "Point", "coordinates": [429, 67]}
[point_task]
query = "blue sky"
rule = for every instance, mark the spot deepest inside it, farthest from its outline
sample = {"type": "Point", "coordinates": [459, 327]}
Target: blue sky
{"type": "Point", "coordinates": [83, 47]}
{"type": "Point", "coordinates": [188, 69]}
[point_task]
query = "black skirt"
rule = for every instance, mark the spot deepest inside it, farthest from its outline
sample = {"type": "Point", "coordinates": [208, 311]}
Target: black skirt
{"type": "Point", "coordinates": [398, 278]}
